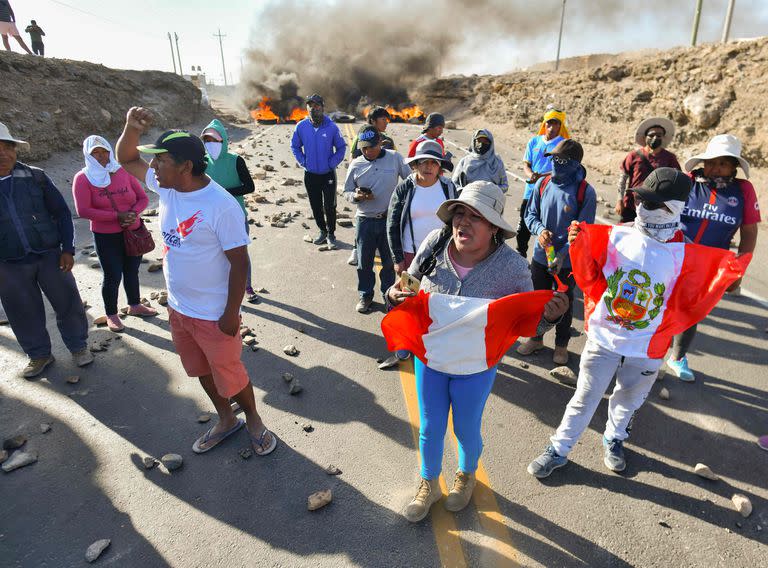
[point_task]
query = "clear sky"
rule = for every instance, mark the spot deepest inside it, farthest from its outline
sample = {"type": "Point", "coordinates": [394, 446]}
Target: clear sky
{"type": "Point", "coordinates": [133, 34]}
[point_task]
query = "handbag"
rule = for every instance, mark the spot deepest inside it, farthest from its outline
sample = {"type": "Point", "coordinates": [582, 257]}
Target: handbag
{"type": "Point", "coordinates": [137, 241]}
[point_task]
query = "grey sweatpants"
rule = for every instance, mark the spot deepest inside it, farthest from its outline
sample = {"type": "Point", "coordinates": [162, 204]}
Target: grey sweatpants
{"type": "Point", "coordinates": [20, 292]}
{"type": "Point", "coordinates": [634, 378]}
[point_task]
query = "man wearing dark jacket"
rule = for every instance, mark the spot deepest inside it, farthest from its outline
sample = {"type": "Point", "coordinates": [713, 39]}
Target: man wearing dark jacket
{"type": "Point", "coordinates": [37, 247]}
{"type": "Point", "coordinates": [319, 148]}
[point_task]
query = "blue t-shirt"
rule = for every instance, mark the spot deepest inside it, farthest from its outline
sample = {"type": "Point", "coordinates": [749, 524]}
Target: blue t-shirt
{"type": "Point", "coordinates": [534, 155]}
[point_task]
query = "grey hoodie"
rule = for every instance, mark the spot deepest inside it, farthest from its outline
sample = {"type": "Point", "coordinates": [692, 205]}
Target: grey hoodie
{"type": "Point", "coordinates": [484, 167]}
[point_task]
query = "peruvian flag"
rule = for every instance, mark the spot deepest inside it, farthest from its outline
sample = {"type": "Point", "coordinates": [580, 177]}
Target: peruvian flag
{"type": "Point", "coordinates": [462, 336]}
{"type": "Point", "coordinates": [639, 292]}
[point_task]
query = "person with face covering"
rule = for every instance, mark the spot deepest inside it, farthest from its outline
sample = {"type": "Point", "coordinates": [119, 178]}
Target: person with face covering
{"type": "Point", "coordinates": [641, 283]}
{"type": "Point", "coordinates": [556, 201]}
{"type": "Point", "coordinates": [653, 135]}
{"type": "Point", "coordinates": [466, 256]}
{"type": "Point", "coordinates": [319, 148]}
{"type": "Point", "coordinates": [537, 163]}
{"type": "Point", "coordinates": [231, 172]}
{"type": "Point", "coordinates": [112, 200]}
{"type": "Point", "coordinates": [719, 205]}
{"type": "Point", "coordinates": [481, 164]}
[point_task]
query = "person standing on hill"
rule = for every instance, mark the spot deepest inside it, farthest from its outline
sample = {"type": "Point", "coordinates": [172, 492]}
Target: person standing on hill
{"type": "Point", "coordinates": [8, 26]}
{"type": "Point", "coordinates": [319, 148]}
{"type": "Point", "coordinates": [652, 136]}
{"type": "Point", "coordinates": [36, 34]}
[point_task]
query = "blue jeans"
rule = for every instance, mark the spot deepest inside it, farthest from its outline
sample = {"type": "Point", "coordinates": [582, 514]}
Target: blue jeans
{"type": "Point", "coordinates": [20, 286]}
{"type": "Point", "coordinates": [117, 266]}
{"type": "Point", "coordinates": [371, 235]}
{"type": "Point", "coordinates": [466, 395]}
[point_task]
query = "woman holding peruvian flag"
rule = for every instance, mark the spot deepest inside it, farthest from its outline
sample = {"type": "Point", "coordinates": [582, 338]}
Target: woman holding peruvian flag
{"type": "Point", "coordinates": [458, 329]}
{"type": "Point", "coordinates": [642, 284]}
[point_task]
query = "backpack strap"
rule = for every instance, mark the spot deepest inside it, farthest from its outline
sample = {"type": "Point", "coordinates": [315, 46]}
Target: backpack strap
{"type": "Point", "coordinates": [579, 194]}
{"type": "Point", "coordinates": [39, 176]}
{"type": "Point", "coordinates": [428, 264]}
{"type": "Point", "coordinates": [544, 183]}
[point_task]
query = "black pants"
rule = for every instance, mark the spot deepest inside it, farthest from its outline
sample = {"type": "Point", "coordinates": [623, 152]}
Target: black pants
{"type": "Point", "coordinates": [523, 234]}
{"type": "Point", "coordinates": [321, 190]}
{"type": "Point", "coordinates": [543, 280]}
{"type": "Point", "coordinates": [117, 266]}
{"type": "Point", "coordinates": [38, 48]}
{"type": "Point", "coordinates": [682, 342]}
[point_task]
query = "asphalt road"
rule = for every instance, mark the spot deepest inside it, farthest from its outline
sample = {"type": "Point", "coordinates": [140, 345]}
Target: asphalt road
{"type": "Point", "coordinates": [221, 510]}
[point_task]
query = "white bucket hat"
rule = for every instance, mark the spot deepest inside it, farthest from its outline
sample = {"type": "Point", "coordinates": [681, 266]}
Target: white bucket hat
{"type": "Point", "coordinates": [431, 150]}
{"type": "Point", "coordinates": [5, 136]}
{"type": "Point", "coordinates": [665, 123]}
{"type": "Point", "coordinates": [484, 197]}
{"type": "Point", "coordinates": [720, 145]}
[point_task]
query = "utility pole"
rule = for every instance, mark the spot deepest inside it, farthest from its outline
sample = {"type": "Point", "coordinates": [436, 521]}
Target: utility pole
{"type": "Point", "coordinates": [696, 20]}
{"type": "Point", "coordinates": [221, 49]}
{"type": "Point", "coordinates": [728, 18]}
{"type": "Point", "coordinates": [173, 56]}
{"type": "Point", "coordinates": [178, 53]}
{"type": "Point", "coordinates": [560, 37]}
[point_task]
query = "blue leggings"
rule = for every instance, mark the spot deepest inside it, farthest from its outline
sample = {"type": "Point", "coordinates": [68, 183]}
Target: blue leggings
{"type": "Point", "coordinates": [466, 395]}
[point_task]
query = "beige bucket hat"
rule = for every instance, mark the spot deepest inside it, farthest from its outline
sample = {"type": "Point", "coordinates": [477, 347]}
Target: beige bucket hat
{"type": "Point", "coordinates": [665, 123]}
{"type": "Point", "coordinates": [5, 136]}
{"type": "Point", "coordinates": [484, 197]}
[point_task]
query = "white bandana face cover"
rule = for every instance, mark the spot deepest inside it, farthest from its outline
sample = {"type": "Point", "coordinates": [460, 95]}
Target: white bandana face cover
{"type": "Point", "coordinates": [660, 224]}
{"type": "Point", "coordinates": [213, 149]}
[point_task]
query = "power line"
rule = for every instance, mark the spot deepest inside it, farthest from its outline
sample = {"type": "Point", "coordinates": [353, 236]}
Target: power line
{"type": "Point", "coordinates": [102, 18]}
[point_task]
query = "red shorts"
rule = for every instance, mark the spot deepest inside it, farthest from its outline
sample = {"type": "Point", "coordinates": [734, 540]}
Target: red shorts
{"type": "Point", "coordinates": [206, 350]}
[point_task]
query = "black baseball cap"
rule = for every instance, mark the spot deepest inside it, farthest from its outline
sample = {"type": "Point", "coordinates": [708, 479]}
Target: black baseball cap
{"type": "Point", "coordinates": [180, 143]}
{"type": "Point", "coordinates": [664, 184]}
{"type": "Point", "coordinates": [568, 148]}
{"type": "Point", "coordinates": [378, 112]}
{"type": "Point", "coordinates": [368, 136]}
{"type": "Point", "coordinates": [315, 98]}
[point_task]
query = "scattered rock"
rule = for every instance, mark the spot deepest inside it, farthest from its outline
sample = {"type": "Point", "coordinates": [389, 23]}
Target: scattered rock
{"type": "Point", "coordinates": [307, 427]}
{"type": "Point", "coordinates": [246, 453]}
{"type": "Point", "coordinates": [154, 266]}
{"type": "Point", "coordinates": [703, 470]}
{"type": "Point", "coordinates": [95, 550]}
{"type": "Point", "coordinates": [259, 174]}
{"type": "Point", "coordinates": [664, 524]}
{"type": "Point", "coordinates": [172, 461]}
{"type": "Point", "coordinates": [15, 442]}
{"type": "Point", "coordinates": [741, 502]}
{"type": "Point", "coordinates": [249, 340]}
{"type": "Point", "coordinates": [150, 213]}
{"type": "Point", "coordinates": [664, 393]}
{"type": "Point", "coordinates": [45, 427]}
{"type": "Point", "coordinates": [163, 299]}
{"type": "Point", "coordinates": [450, 124]}
{"type": "Point", "coordinates": [3, 455]}
{"type": "Point", "coordinates": [523, 365]}
{"type": "Point", "coordinates": [291, 350]}
{"type": "Point", "coordinates": [565, 375]}
{"type": "Point", "coordinates": [303, 224]}
{"type": "Point", "coordinates": [101, 320]}
{"type": "Point", "coordinates": [332, 470]}
{"type": "Point", "coordinates": [278, 224]}
{"type": "Point", "coordinates": [154, 295]}
{"type": "Point", "coordinates": [268, 168]}
{"type": "Point", "coordinates": [295, 387]}
{"type": "Point", "coordinates": [73, 379]}
{"type": "Point", "coordinates": [344, 223]}
{"type": "Point", "coordinates": [93, 254]}
{"type": "Point", "coordinates": [86, 305]}
{"type": "Point", "coordinates": [20, 459]}
{"type": "Point", "coordinates": [300, 329]}
{"type": "Point", "coordinates": [95, 265]}
{"type": "Point", "coordinates": [203, 418]}
{"type": "Point", "coordinates": [287, 377]}
{"type": "Point", "coordinates": [246, 331]}
{"type": "Point", "coordinates": [149, 462]}
{"type": "Point", "coordinates": [319, 500]}
{"type": "Point", "coordinates": [254, 347]}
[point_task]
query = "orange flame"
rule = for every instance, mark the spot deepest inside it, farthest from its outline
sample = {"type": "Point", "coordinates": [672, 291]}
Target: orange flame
{"type": "Point", "coordinates": [264, 112]}
{"type": "Point", "coordinates": [403, 115]}
{"type": "Point", "coordinates": [298, 114]}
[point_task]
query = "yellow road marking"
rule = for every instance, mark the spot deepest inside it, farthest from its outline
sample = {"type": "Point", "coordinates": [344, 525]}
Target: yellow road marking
{"type": "Point", "coordinates": [443, 523]}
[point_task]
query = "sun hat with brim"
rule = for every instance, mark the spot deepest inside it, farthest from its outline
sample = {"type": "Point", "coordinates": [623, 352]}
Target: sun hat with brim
{"type": "Point", "coordinates": [180, 143]}
{"type": "Point", "coordinates": [5, 136]}
{"type": "Point", "coordinates": [431, 150]}
{"type": "Point", "coordinates": [664, 184]}
{"type": "Point", "coordinates": [721, 145]}
{"type": "Point", "coordinates": [484, 197]}
{"type": "Point", "coordinates": [665, 123]}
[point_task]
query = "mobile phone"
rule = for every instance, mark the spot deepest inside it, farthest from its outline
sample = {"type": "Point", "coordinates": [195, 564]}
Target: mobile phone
{"type": "Point", "coordinates": [364, 190]}
{"type": "Point", "coordinates": [408, 282]}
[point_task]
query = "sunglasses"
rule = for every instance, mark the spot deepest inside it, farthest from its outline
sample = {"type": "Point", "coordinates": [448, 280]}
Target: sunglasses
{"type": "Point", "coordinates": [560, 160]}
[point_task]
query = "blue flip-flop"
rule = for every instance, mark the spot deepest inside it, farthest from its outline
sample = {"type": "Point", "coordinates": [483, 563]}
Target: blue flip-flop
{"type": "Point", "coordinates": [258, 442]}
{"type": "Point", "coordinates": [215, 438]}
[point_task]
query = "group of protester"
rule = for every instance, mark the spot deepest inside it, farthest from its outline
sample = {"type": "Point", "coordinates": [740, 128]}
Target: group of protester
{"type": "Point", "coordinates": [8, 28]}
{"type": "Point", "coordinates": [439, 236]}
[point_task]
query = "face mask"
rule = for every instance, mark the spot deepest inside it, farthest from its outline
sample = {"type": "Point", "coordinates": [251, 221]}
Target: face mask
{"type": "Point", "coordinates": [564, 171]}
{"type": "Point", "coordinates": [482, 147]}
{"type": "Point", "coordinates": [660, 224]}
{"type": "Point", "coordinates": [653, 142]}
{"type": "Point", "coordinates": [721, 182]}
{"type": "Point", "coordinates": [213, 149]}
{"type": "Point", "coordinates": [316, 115]}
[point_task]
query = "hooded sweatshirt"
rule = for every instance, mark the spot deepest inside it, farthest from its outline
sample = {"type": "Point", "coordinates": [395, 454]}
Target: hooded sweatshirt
{"type": "Point", "coordinates": [318, 149]}
{"type": "Point", "coordinates": [481, 167]}
{"type": "Point", "coordinates": [228, 169]}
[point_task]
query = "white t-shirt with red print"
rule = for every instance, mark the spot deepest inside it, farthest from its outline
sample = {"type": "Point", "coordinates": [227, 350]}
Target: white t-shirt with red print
{"type": "Point", "coordinates": [197, 227]}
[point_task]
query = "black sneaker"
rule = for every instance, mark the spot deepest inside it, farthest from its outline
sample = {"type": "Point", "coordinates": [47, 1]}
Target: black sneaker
{"type": "Point", "coordinates": [320, 239]}
{"type": "Point", "coordinates": [613, 458]}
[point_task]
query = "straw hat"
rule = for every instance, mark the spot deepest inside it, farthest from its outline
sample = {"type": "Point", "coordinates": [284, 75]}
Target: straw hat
{"type": "Point", "coordinates": [720, 145]}
{"type": "Point", "coordinates": [484, 197]}
{"type": "Point", "coordinates": [5, 136]}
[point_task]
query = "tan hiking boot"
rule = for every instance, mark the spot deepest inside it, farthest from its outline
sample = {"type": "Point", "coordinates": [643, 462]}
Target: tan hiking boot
{"type": "Point", "coordinates": [427, 495]}
{"type": "Point", "coordinates": [36, 366]}
{"type": "Point", "coordinates": [529, 347]}
{"type": "Point", "coordinates": [560, 357]}
{"type": "Point", "coordinates": [463, 485]}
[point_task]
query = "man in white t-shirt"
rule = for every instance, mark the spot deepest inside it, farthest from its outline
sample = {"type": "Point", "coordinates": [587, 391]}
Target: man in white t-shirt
{"type": "Point", "coordinates": [204, 238]}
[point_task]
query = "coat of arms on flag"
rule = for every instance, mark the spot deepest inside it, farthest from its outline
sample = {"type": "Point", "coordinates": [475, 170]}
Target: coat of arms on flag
{"type": "Point", "coordinates": [628, 297]}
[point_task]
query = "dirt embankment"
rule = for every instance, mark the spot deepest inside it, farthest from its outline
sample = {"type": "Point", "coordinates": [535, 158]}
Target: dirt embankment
{"type": "Point", "coordinates": [55, 103]}
{"type": "Point", "coordinates": [707, 90]}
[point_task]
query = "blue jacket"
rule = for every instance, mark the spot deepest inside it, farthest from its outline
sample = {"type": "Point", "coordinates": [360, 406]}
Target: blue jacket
{"type": "Point", "coordinates": [318, 152]}
{"type": "Point", "coordinates": [555, 210]}
{"type": "Point", "coordinates": [34, 218]}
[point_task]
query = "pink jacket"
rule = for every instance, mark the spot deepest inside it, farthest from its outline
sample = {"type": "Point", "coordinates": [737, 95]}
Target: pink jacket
{"type": "Point", "coordinates": [92, 203]}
